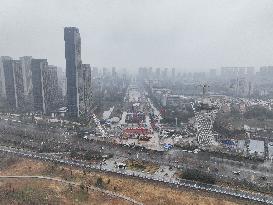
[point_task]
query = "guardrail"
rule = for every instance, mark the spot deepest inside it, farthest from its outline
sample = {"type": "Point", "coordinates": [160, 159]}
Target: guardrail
{"type": "Point", "coordinates": [258, 197]}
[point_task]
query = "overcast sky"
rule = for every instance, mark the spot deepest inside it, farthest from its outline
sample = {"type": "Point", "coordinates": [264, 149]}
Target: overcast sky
{"type": "Point", "coordinates": [186, 34]}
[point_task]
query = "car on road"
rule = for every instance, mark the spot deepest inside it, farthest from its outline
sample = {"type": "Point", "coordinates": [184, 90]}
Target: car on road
{"type": "Point", "coordinates": [236, 172]}
{"type": "Point", "coordinates": [263, 178]}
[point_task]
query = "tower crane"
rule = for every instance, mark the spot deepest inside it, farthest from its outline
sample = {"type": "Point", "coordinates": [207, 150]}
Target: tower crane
{"type": "Point", "coordinates": [205, 88]}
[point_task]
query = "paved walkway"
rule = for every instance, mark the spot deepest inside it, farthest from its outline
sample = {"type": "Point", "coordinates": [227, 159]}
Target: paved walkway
{"type": "Point", "coordinates": [110, 193]}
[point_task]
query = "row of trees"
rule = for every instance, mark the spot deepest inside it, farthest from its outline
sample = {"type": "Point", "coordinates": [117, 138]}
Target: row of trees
{"type": "Point", "coordinates": [258, 112]}
{"type": "Point", "coordinates": [199, 176]}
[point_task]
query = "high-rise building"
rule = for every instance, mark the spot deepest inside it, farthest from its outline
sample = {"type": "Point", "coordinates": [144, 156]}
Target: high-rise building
{"type": "Point", "coordinates": [145, 72]}
{"type": "Point", "coordinates": [225, 72]}
{"type": "Point", "coordinates": [51, 88]}
{"type": "Point", "coordinates": [114, 72]}
{"type": "Point", "coordinates": [229, 72]}
{"type": "Point", "coordinates": [157, 73]}
{"type": "Point", "coordinates": [150, 72]}
{"type": "Point", "coordinates": [95, 72]}
{"type": "Point", "coordinates": [73, 67]}
{"type": "Point", "coordinates": [165, 73]}
{"type": "Point", "coordinates": [26, 69]}
{"type": "Point", "coordinates": [173, 73]}
{"type": "Point", "coordinates": [2, 76]}
{"type": "Point", "coordinates": [212, 73]}
{"type": "Point", "coordinates": [62, 81]}
{"type": "Point", "coordinates": [87, 95]}
{"type": "Point", "coordinates": [104, 72]}
{"type": "Point", "coordinates": [39, 71]}
{"type": "Point", "coordinates": [19, 84]}
{"type": "Point", "coordinates": [140, 72]}
{"type": "Point", "coordinates": [236, 72]}
{"type": "Point", "coordinates": [84, 90]}
{"type": "Point", "coordinates": [27, 80]}
{"type": "Point", "coordinates": [81, 91]}
{"type": "Point", "coordinates": [266, 71]}
{"type": "Point", "coordinates": [14, 84]}
{"type": "Point", "coordinates": [241, 71]}
{"type": "Point", "coordinates": [250, 71]}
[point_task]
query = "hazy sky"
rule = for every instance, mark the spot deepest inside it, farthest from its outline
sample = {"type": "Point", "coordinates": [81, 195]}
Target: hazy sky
{"type": "Point", "coordinates": [186, 34]}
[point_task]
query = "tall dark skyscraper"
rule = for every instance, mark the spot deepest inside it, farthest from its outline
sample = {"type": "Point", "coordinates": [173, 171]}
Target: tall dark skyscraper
{"type": "Point", "coordinates": [73, 67]}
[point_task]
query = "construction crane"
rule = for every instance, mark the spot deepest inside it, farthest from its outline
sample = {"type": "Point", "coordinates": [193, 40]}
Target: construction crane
{"type": "Point", "coordinates": [205, 88]}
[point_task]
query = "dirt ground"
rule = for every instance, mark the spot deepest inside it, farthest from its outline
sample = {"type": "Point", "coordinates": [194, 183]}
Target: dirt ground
{"type": "Point", "coordinates": [35, 191]}
{"type": "Point", "coordinates": [28, 191]}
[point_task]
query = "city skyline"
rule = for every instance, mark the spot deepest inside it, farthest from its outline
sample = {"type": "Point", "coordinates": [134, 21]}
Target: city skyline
{"type": "Point", "coordinates": [136, 101]}
{"type": "Point", "coordinates": [132, 35]}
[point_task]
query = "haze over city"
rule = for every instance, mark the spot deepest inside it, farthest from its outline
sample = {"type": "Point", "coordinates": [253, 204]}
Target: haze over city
{"type": "Point", "coordinates": [139, 102]}
{"type": "Point", "coordinates": [188, 35]}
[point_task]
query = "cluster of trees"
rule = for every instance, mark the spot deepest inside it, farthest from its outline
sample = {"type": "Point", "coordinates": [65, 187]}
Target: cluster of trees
{"type": "Point", "coordinates": [138, 165]}
{"type": "Point", "coordinates": [197, 175]}
{"type": "Point", "coordinates": [258, 112]}
{"type": "Point", "coordinates": [87, 155]}
{"type": "Point", "coordinates": [225, 127]}
{"type": "Point", "coordinates": [187, 146]}
{"type": "Point", "coordinates": [101, 184]}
